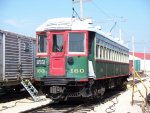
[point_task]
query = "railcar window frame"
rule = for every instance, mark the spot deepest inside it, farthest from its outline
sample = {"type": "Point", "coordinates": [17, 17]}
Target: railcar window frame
{"type": "Point", "coordinates": [97, 51]}
{"type": "Point", "coordinates": [107, 49]}
{"type": "Point", "coordinates": [84, 52]}
{"type": "Point", "coordinates": [45, 44]}
{"type": "Point", "coordinates": [58, 43]}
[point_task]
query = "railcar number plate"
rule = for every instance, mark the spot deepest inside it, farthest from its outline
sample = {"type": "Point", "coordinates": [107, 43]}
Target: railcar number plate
{"type": "Point", "coordinates": [40, 61]}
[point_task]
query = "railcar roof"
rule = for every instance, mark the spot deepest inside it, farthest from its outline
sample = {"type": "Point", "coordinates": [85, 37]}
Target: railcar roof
{"type": "Point", "coordinates": [66, 24]}
{"type": "Point", "coordinates": [73, 24]}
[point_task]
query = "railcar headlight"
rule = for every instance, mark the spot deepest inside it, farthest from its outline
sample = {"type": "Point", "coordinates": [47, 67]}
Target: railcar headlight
{"type": "Point", "coordinates": [70, 60]}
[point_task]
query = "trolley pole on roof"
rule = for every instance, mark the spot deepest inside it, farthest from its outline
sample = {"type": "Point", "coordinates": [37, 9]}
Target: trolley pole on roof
{"type": "Point", "coordinates": [81, 6]}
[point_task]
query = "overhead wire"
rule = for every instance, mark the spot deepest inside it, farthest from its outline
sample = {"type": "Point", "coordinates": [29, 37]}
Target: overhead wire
{"type": "Point", "coordinates": [112, 19]}
{"type": "Point", "coordinates": [106, 14]}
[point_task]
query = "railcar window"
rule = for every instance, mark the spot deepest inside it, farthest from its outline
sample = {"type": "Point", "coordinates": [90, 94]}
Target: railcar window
{"type": "Point", "coordinates": [104, 53]}
{"type": "Point", "coordinates": [101, 52]}
{"type": "Point", "coordinates": [113, 55]}
{"type": "Point", "coordinates": [107, 53]}
{"type": "Point", "coordinates": [97, 52]}
{"type": "Point", "coordinates": [76, 42]}
{"type": "Point", "coordinates": [58, 43]}
{"type": "Point", "coordinates": [42, 43]}
{"type": "Point", "coordinates": [119, 57]}
{"type": "Point", "coordinates": [110, 54]}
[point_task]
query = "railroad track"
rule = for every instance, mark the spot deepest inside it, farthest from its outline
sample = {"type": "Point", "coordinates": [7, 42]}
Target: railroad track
{"type": "Point", "coordinates": [76, 106]}
{"type": "Point", "coordinates": [81, 106]}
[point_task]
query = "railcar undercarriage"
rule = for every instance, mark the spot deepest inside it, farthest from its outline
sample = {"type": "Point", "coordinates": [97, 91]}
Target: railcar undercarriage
{"type": "Point", "coordinates": [92, 89]}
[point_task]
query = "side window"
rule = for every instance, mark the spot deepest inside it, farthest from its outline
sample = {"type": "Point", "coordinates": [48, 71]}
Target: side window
{"type": "Point", "coordinates": [110, 54]}
{"type": "Point", "coordinates": [97, 52]}
{"type": "Point", "coordinates": [101, 52]}
{"type": "Point", "coordinates": [104, 53]}
{"type": "Point", "coordinates": [77, 43]}
{"type": "Point", "coordinates": [42, 43]}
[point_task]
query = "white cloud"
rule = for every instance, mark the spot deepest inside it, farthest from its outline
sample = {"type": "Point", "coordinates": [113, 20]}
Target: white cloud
{"type": "Point", "coordinates": [18, 23]}
{"type": "Point", "coordinates": [22, 26]}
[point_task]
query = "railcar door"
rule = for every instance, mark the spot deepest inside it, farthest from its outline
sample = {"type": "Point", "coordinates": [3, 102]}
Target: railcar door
{"type": "Point", "coordinates": [57, 54]}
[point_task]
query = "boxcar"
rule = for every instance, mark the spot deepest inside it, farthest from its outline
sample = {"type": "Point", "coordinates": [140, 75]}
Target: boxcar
{"type": "Point", "coordinates": [76, 59]}
{"type": "Point", "coordinates": [16, 59]}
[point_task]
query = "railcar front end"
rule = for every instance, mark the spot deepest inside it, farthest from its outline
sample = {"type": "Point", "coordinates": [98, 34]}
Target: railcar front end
{"type": "Point", "coordinates": [62, 62]}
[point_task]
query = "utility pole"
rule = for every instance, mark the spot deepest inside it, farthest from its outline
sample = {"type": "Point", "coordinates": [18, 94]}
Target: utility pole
{"type": "Point", "coordinates": [144, 61]}
{"type": "Point", "coordinates": [133, 49]}
{"type": "Point", "coordinates": [133, 71]}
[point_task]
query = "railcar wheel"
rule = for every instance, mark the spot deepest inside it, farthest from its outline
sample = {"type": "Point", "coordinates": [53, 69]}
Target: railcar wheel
{"type": "Point", "coordinates": [123, 86]}
{"type": "Point", "coordinates": [57, 97]}
{"type": "Point", "coordinates": [98, 93]}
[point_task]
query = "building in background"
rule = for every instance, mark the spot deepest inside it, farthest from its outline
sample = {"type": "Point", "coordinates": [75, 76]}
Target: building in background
{"type": "Point", "coordinates": [141, 61]}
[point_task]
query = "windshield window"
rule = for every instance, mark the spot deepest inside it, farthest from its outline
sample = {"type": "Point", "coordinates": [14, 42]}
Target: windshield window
{"type": "Point", "coordinates": [42, 43]}
{"type": "Point", "coordinates": [58, 43]}
{"type": "Point", "coordinates": [77, 42]}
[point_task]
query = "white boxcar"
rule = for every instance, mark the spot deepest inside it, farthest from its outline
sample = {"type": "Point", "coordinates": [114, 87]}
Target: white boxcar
{"type": "Point", "coordinates": [17, 54]}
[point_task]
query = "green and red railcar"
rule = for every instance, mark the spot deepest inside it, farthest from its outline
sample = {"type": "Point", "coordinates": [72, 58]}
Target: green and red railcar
{"type": "Point", "coordinates": [76, 59]}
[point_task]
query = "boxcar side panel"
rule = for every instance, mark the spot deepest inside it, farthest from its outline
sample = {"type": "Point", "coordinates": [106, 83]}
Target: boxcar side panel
{"type": "Point", "coordinates": [1, 56]}
{"type": "Point", "coordinates": [11, 56]}
{"type": "Point", "coordinates": [26, 57]}
{"type": "Point", "coordinates": [16, 57]}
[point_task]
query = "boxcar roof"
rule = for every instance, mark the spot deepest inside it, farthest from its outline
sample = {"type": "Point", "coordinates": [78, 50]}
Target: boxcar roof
{"type": "Point", "coordinates": [15, 34]}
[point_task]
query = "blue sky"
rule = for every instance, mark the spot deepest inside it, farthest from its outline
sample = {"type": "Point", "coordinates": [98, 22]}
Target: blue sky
{"type": "Point", "coordinates": [131, 16]}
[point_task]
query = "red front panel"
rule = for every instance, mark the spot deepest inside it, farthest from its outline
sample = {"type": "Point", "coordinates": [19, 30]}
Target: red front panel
{"type": "Point", "coordinates": [57, 66]}
{"type": "Point", "coordinates": [57, 54]}
{"type": "Point", "coordinates": [62, 43]}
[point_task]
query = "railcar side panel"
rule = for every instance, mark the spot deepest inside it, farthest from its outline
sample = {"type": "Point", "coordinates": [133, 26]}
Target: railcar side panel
{"type": "Point", "coordinates": [110, 58]}
{"type": "Point", "coordinates": [110, 69]}
{"type": "Point", "coordinates": [42, 67]}
{"type": "Point", "coordinates": [77, 68]}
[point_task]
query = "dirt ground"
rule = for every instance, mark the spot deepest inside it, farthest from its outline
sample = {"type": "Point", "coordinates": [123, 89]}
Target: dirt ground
{"type": "Point", "coordinates": [123, 103]}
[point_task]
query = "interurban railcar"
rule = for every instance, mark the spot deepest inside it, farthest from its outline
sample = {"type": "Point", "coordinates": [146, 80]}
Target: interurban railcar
{"type": "Point", "coordinates": [17, 54]}
{"type": "Point", "coordinates": [75, 59]}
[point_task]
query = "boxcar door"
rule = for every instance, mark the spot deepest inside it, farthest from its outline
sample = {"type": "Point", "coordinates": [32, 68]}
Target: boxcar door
{"type": "Point", "coordinates": [57, 54]}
